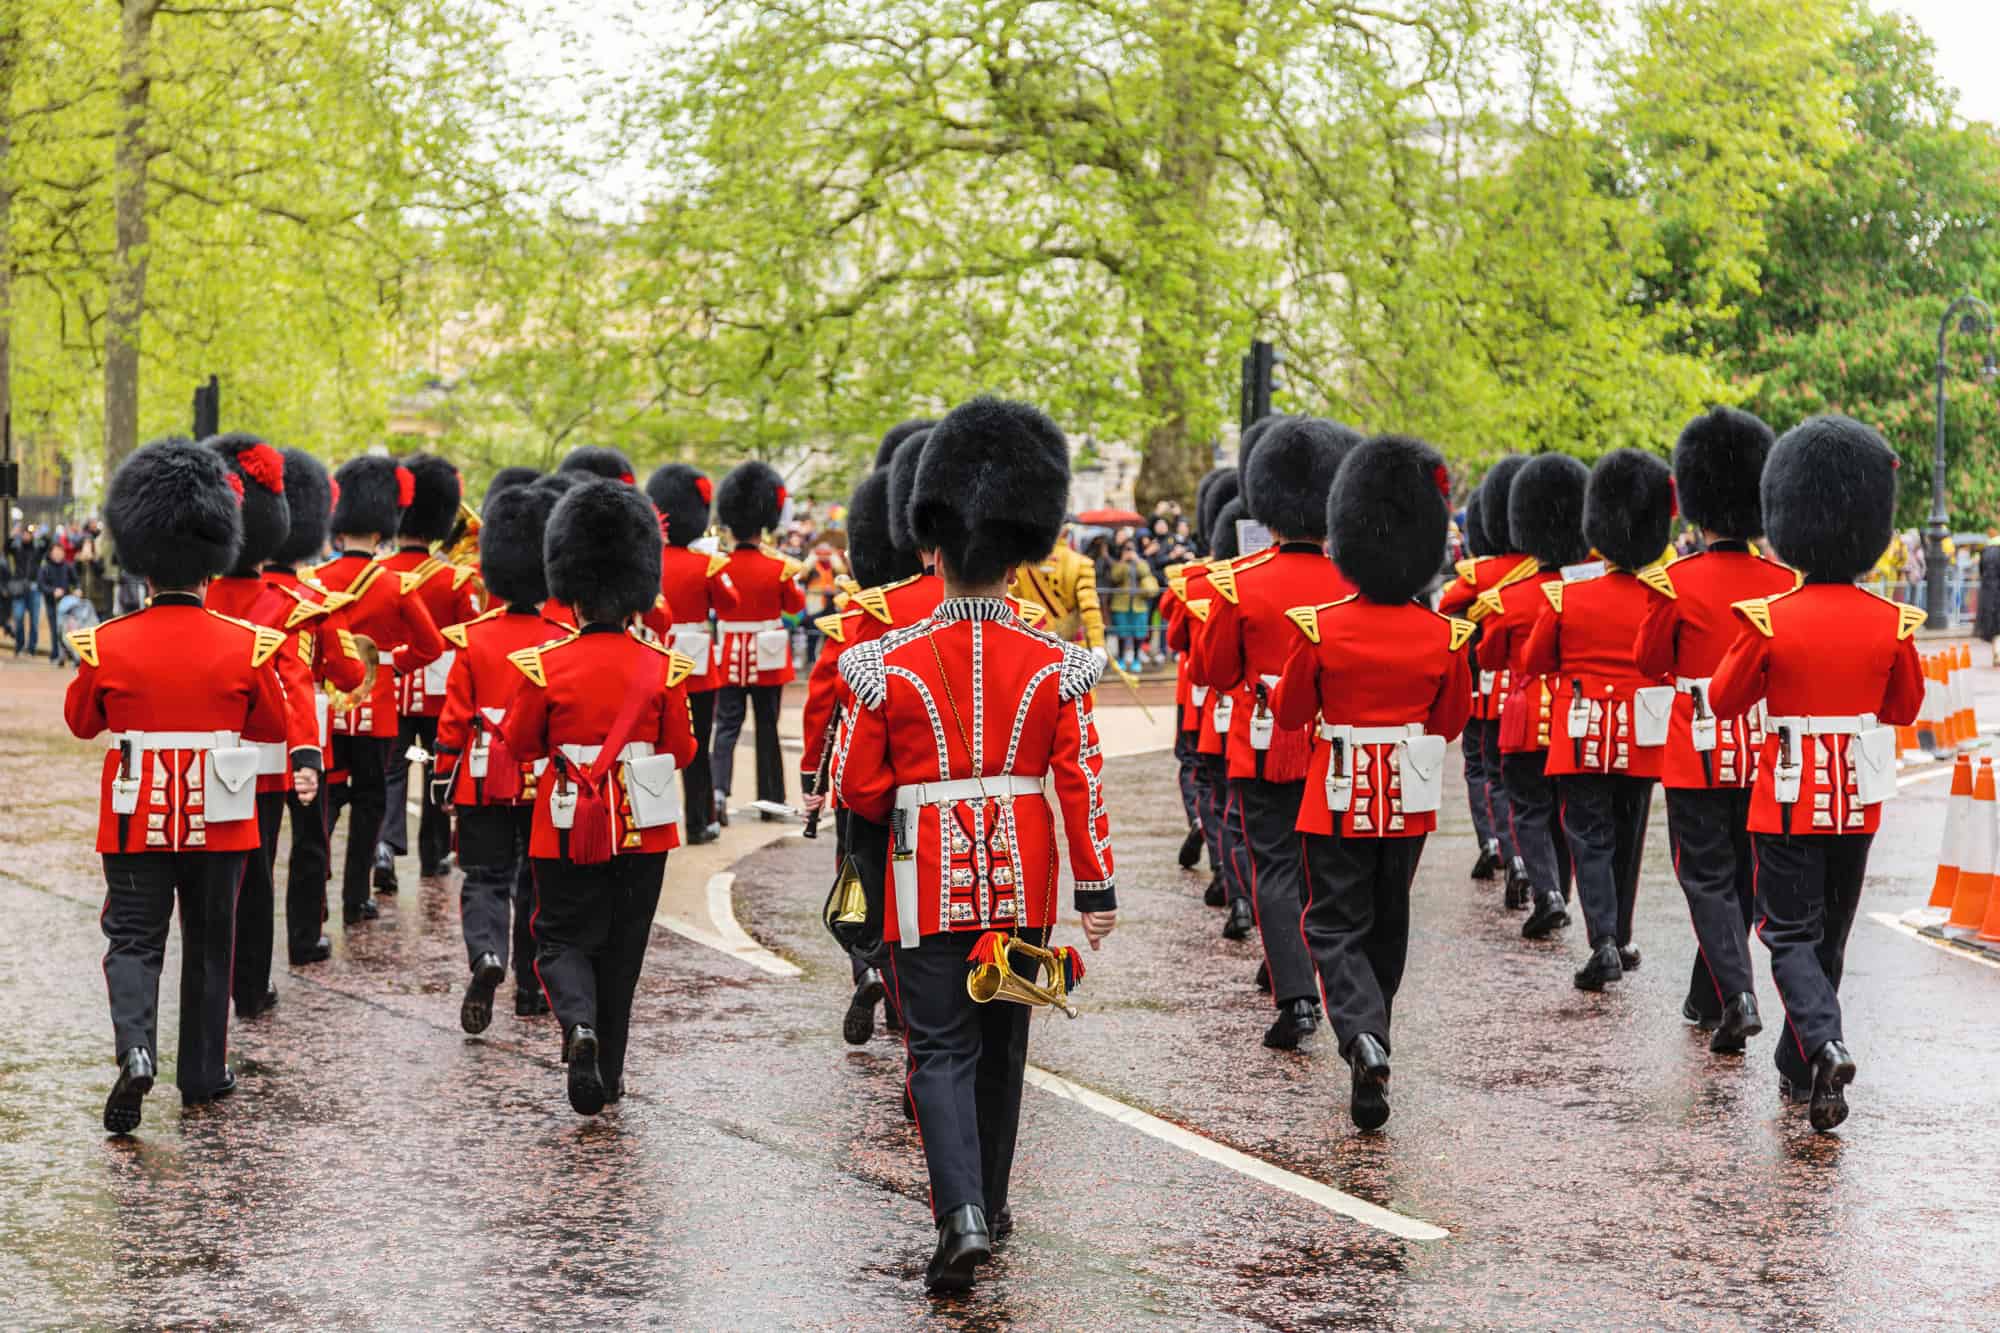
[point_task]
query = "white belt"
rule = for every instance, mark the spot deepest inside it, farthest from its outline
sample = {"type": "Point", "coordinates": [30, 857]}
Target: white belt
{"type": "Point", "coordinates": [1842, 725]}
{"type": "Point", "coordinates": [701, 626]}
{"type": "Point", "coordinates": [966, 789]}
{"type": "Point", "coordinates": [585, 755]}
{"type": "Point", "coordinates": [174, 740]}
{"type": "Point", "coordinates": [273, 758]}
{"type": "Point", "coordinates": [747, 626]}
{"type": "Point", "coordinates": [1373, 735]}
{"type": "Point", "coordinates": [1689, 684]}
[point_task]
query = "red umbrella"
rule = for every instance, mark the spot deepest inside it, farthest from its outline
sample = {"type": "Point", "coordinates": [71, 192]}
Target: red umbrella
{"type": "Point", "coordinates": [1105, 518]}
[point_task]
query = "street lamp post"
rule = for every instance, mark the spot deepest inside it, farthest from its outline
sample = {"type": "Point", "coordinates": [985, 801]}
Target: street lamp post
{"type": "Point", "coordinates": [1977, 318]}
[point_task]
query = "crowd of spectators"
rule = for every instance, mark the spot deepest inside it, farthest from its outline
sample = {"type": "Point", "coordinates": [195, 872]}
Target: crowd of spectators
{"type": "Point", "coordinates": [55, 581]}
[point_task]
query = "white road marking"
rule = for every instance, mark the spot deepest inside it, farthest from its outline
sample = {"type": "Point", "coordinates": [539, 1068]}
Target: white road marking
{"type": "Point", "coordinates": [1925, 775]}
{"type": "Point", "coordinates": [1903, 927]}
{"type": "Point", "coordinates": [723, 933]}
{"type": "Point", "coordinates": [1312, 1191]}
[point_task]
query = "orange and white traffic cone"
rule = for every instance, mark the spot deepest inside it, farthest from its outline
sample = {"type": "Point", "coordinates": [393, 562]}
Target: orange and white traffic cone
{"type": "Point", "coordinates": [1930, 726]}
{"type": "Point", "coordinates": [1963, 729]}
{"type": "Point", "coordinates": [1975, 873]}
{"type": "Point", "coordinates": [1957, 807]}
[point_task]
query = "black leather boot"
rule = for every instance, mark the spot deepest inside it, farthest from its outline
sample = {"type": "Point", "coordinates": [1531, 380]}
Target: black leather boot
{"type": "Point", "coordinates": [135, 1080]}
{"type": "Point", "coordinates": [858, 1024]}
{"type": "Point", "coordinates": [586, 1085]}
{"type": "Point", "coordinates": [1370, 1064]}
{"type": "Point", "coordinates": [1740, 1022]}
{"type": "Point", "coordinates": [1241, 921]}
{"type": "Point", "coordinates": [1832, 1071]}
{"type": "Point", "coordinates": [1215, 895]}
{"type": "Point", "coordinates": [963, 1244]}
{"type": "Point", "coordinates": [1602, 969]}
{"type": "Point", "coordinates": [1191, 849]}
{"type": "Point", "coordinates": [475, 1011]}
{"type": "Point", "coordinates": [1295, 1022]}
{"type": "Point", "coordinates": [1520, 890]}
{"type": "Point", "coordinates": [1551, 913]}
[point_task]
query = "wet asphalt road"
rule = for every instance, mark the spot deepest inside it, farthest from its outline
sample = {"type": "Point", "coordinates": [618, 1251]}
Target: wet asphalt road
{"type": "Point", "coordinates": [1594, 1164]}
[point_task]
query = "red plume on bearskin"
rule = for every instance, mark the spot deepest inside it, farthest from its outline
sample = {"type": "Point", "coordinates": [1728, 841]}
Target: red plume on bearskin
{"type": "Point", "coordinates": [332, 496]}
{"type": "Point", "coordinates": [236, 485]}
{"type": "Point", "coordinates": [406, 488]}
{"type": "Point", "coordinates": [265, 466]}
{"type": "Point", "coordinates": [705, 489]}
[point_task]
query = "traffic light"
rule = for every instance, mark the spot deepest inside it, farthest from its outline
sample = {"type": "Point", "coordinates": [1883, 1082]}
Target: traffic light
{"type": "Point", "coordinates": [10, 471]}
{"type": "Point", "coordinates": [1260, 381]}
{"type": "Point", "coordinates": [207, 409]}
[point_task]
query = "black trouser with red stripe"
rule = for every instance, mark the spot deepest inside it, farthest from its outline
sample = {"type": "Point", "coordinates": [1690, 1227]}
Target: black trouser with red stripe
{"type": "Point", "coordinates": [1538, 835]}
{"type": "Point", "coordinates": [1481, 744]}
{"type": "Point", "coordinates": [497, 899]}
{"type": "Point", "coordinates": [1808, 891]}
{"type": "Point", "coordinates": [1604, 820]}
{"type": "Point", "coordinates": [365, 760]}
{"type": "Point", "coordinates": [966, 1066]}
{"type": "Point", "coordinates": [141, 890]}
{"type": "Point", "coordinates": [434, 825]}
{"type": "Point", "coordinates": [1709, 830]}
{"type": "Point", "coordinates": [256, 909]}
{"type": "Point", "coordinates": [1217, 827]}
{"type": "Point", "coordinates": [1268, 816]}
{"type": "Point", "coordinates": [698, 778]}
{"type": "Point", "coordinates": [1356, 924]}
{"type": "Point", "coordinates": [591, 927]}
{"type": "Point", "coordinates": [306, 869]}
{"type": "Point", "coordinates": [1187, 757]}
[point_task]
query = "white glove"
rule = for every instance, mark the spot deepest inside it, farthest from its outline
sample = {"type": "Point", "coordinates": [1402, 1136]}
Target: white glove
{"type": "Point", "coordinates": [1103, 658]}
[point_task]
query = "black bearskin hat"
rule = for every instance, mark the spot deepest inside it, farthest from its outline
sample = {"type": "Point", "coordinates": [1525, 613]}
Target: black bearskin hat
{"type": "Point", "coordinates": [1718, 463]}
{"type": "Point", "coordinates": [370, 495]}
{"type": "Point", "coordinates": [433, 511]}
{"type": "Point", "coordinates": [1222, 543]}
{"type": "Point", "coordinates": [308, 505]}
{"type": "Point", "coordinates": [992, 488]}
{"type": "Point", "coordinates": [267, 517]}
{"type": "Point", "coordinates": [872, 553]}
{"type": "Point", "coordinates": [902, 473]}
{"type": "Point", "coordinates": [1246, 444]}
{"type": "Point", "coordinates": [751, 500]}
{"type": "Point", "coordinates": [1628, 508]}
{"type": "Point", "coordinates": [896, 434]}
{"type": "Point", "coordinates": [173, 513]}
{"type": "Point", "coordinates": [602, 549]}
{"type": "Point", "coordinates": [1217, 489]}
{"type": "Point", "coordinates": [507, 477]}
{"type": "Point", "coordinates": [1545, 508]}
{"type": "Point", "coordinates": [597, 461]}
{"type": "Point", "coordinates": [1389, 517]}
{"type": "Point", "coordinates": [1291, 471]}
{"type": "Point", "coordinates": [560, 484]}
{"type": "Point", "coordinates": [1830, 498]}
{"type": "Point", "coordinates": [682, 495]}
{"type": "Point", "coordinates": [1475, 528]}
{"type": "Point", "coordinates": [511, 532]}
{"type": "Point", "coordinates": [1494, 491]}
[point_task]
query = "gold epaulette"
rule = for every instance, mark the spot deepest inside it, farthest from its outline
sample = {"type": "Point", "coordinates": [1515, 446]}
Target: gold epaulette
{"type": "Point", "coordinates": [875, 601]}
{"type": "Point", "coordinates": [307, 648]}
{"type": "Point", "coordinates": [1223, 580]}
{"type": "Point", "coordinates": [717, 562]}
{"type": "Point", "coordinates": [331, 601]}
{"type": "Point", "coordinates": [366, 580]}
{"type": "Point", "coordinates": [1307, 620]}
{"type": "Point", "coordinates": [1757, 610]}
{"type": "Point", "coordinates": [459, 574]}
{"type": "Point", "coordinates": [833, 627]}
{"type": "Point", "coordinates": [1468, 569]}
{"type": "Point", "coordinates": [415, 578]}
{"type": "Point", "coordinates": [84, 641]}
{"type": "Point", "coordinates": [302, 609]}
{"type": "Point", "coordinates": [1461, 632]}
{"type": "Point", "coordinates": [679, 666]}
{"type": "Point", "coordinates": [1526, 568]}
{"type": "Point", "coordinates": [1656, 578]}
{"type": "Point", "coordinates": [529, 662]}
{"type": "Point", "coordinates": [1033, 614]}
{"type": "Point", "coordinates": [455, 635]}
{"type": "Point", "coordinates": [269, 641]}
{"type": "Point", "coordinates": [1198, 608]}
{"type": "Point", "coordinates": [1486, 604]}
{"type": "Point", "coordinates": [1553, 590]}
{"type": "Point", "coordinates": [846, 583]}
{"type": "Point", "coordinates": [1909, 619]}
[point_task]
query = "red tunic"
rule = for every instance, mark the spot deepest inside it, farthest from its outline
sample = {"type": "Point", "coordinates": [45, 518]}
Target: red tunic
{"type": "Point", "coordinates": [327, 651]}
{"type": "Point", "coordinates": [451, 594]}
{"type": "Point", "coordinates": [174, 667]}
{"type": "Point", "coordinates": [479, 692]}
{"type": "Point", "coordinates": [1359, 663]}
{"type": "Point", "coordinates": [1023, 698]}
{"type": "Point", "coordinates": [680, 618]}
{"type": "Point", "coordinates": [573, 691]}
{"type": "Point", "coordinates": [753, 589]}
{"type": "Point", "coordinates": [1825, 650]}
{"type": "Point", "coordinates": [1248, 639]}
{"type": "Point", "coordinates": [868, 613]}
{"type": "Point", "coordinates": [1197, 600]}
{"type": "Point", "coordinates": [1685, 633]}
{"type": "Point", "coordinates": [1582, 644]}
{"type": "Point", "coordinates": [404, 635]}
{"type": "Point", "coordinates": [255, 600]}
{"type": "Point", "coordinates": [1506, 616]}
{"type": "Point", "coordinates": [1461, 597]}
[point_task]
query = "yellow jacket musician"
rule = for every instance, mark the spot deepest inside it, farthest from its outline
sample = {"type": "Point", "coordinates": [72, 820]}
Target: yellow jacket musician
{"type": "Point", "coordinates": [1065, 583]}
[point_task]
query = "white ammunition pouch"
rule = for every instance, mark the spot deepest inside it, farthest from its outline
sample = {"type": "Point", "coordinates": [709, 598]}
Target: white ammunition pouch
{"type": "Point", "coordinates": [1487, 680]}
{"type": "Point", "coordinates": [653, 787]}
{"type": "Point", "coordinates": [1198, 694]}
{"type": "Point", "coordinates": [439, 672]}
{"type": "Point", "coordinates": [230, 784]}
{"type": "Point", "coordinates": [1263, 722]}
{"type": "Point", "coordinates": [1581, 711]}
{"type": "Point", "coordinates": [1225, 712]}
{"type": "Point", "coordinates": [1419, 760]}
{"type": "Point", "coordinates": [562, 802]}
{"type": "Point", "coordinates": [1872, 752]}
{"type": "Point", "coordinates": [482, 745]}
{"type": "Point", "coordinates": [693, 641]}
{"type": "Point", "coordinates": [774, 647]}
{"type": "Point", "coordinates": [1652, 715]}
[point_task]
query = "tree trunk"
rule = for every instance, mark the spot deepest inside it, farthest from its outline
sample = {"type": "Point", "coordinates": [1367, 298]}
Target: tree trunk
{"type": "Point", "coordinates": [130, 164]}
{"type": "Point", "coordinates": [1171, 460]}
{"type": "Point", "coordinates": [10, 55]}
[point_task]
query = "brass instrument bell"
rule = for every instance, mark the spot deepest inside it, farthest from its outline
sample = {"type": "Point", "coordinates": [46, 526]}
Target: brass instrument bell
{"type": "Point", "coordinates": [993, 976]}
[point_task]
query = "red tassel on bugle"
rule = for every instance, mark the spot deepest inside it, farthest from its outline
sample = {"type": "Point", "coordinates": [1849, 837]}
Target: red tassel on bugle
{"type": "Point", "coordinates": [986, 949]}
{"type": "Point", "coordinates": [1072, 962]}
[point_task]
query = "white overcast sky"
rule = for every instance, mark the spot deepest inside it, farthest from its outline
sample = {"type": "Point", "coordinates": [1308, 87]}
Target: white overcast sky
{"type": "Point", "coordinates": [1967, 33]}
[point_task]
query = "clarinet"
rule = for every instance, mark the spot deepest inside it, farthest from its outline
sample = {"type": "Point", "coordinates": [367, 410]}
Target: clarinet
{"type": "Point", "coordinates": [824, 773]}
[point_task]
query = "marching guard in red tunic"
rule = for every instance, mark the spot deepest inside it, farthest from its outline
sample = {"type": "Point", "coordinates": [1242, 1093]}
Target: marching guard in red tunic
{"type": "Point", "coordinates": [329, 650]}
{"type": "Point", "coordinates": [1385, 683]}
{"type": "Point", "coordinates": [1244, 646]}
{"type": "Point", "coordinates": [259, 470]}
{"type": "Point", "coordinates": [607, 709]}
{"type": "Point", "coordinates": [754, 589]}
{"type": "Point", "coordinates": [370, 496]}
{"type": "Point", "coordinates": [963, 719]}
{"type": "Point", "coordinates": [1710, 760]}
{"type": "Point", "coordinates": [183, 696]}
{"type": "Point", "coordinates": [1490, 564]}
{"type": "Point", "coordinates": [682, 495]}
{"type": "Point", "coordinates": [1545, 521]}
{"type": "Point", "coordinates": [1836, 671]}
{"type": "Point", "coordinates": [450, 593]}
{"type": "Point", "coordinates": [493, 792]}
{"type": "Point", "coordinates": [1217, 713]}
{"type": "Point", "coordinates": [1203, 791]}
{"type": "Point", "coordinates": [1609, 719]}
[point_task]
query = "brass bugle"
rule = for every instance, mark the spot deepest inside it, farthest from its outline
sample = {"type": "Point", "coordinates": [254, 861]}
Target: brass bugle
{"type": "Point", "coordinates": [999, 981]}
{"type": "Point", "coordinates": [371, 666]}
